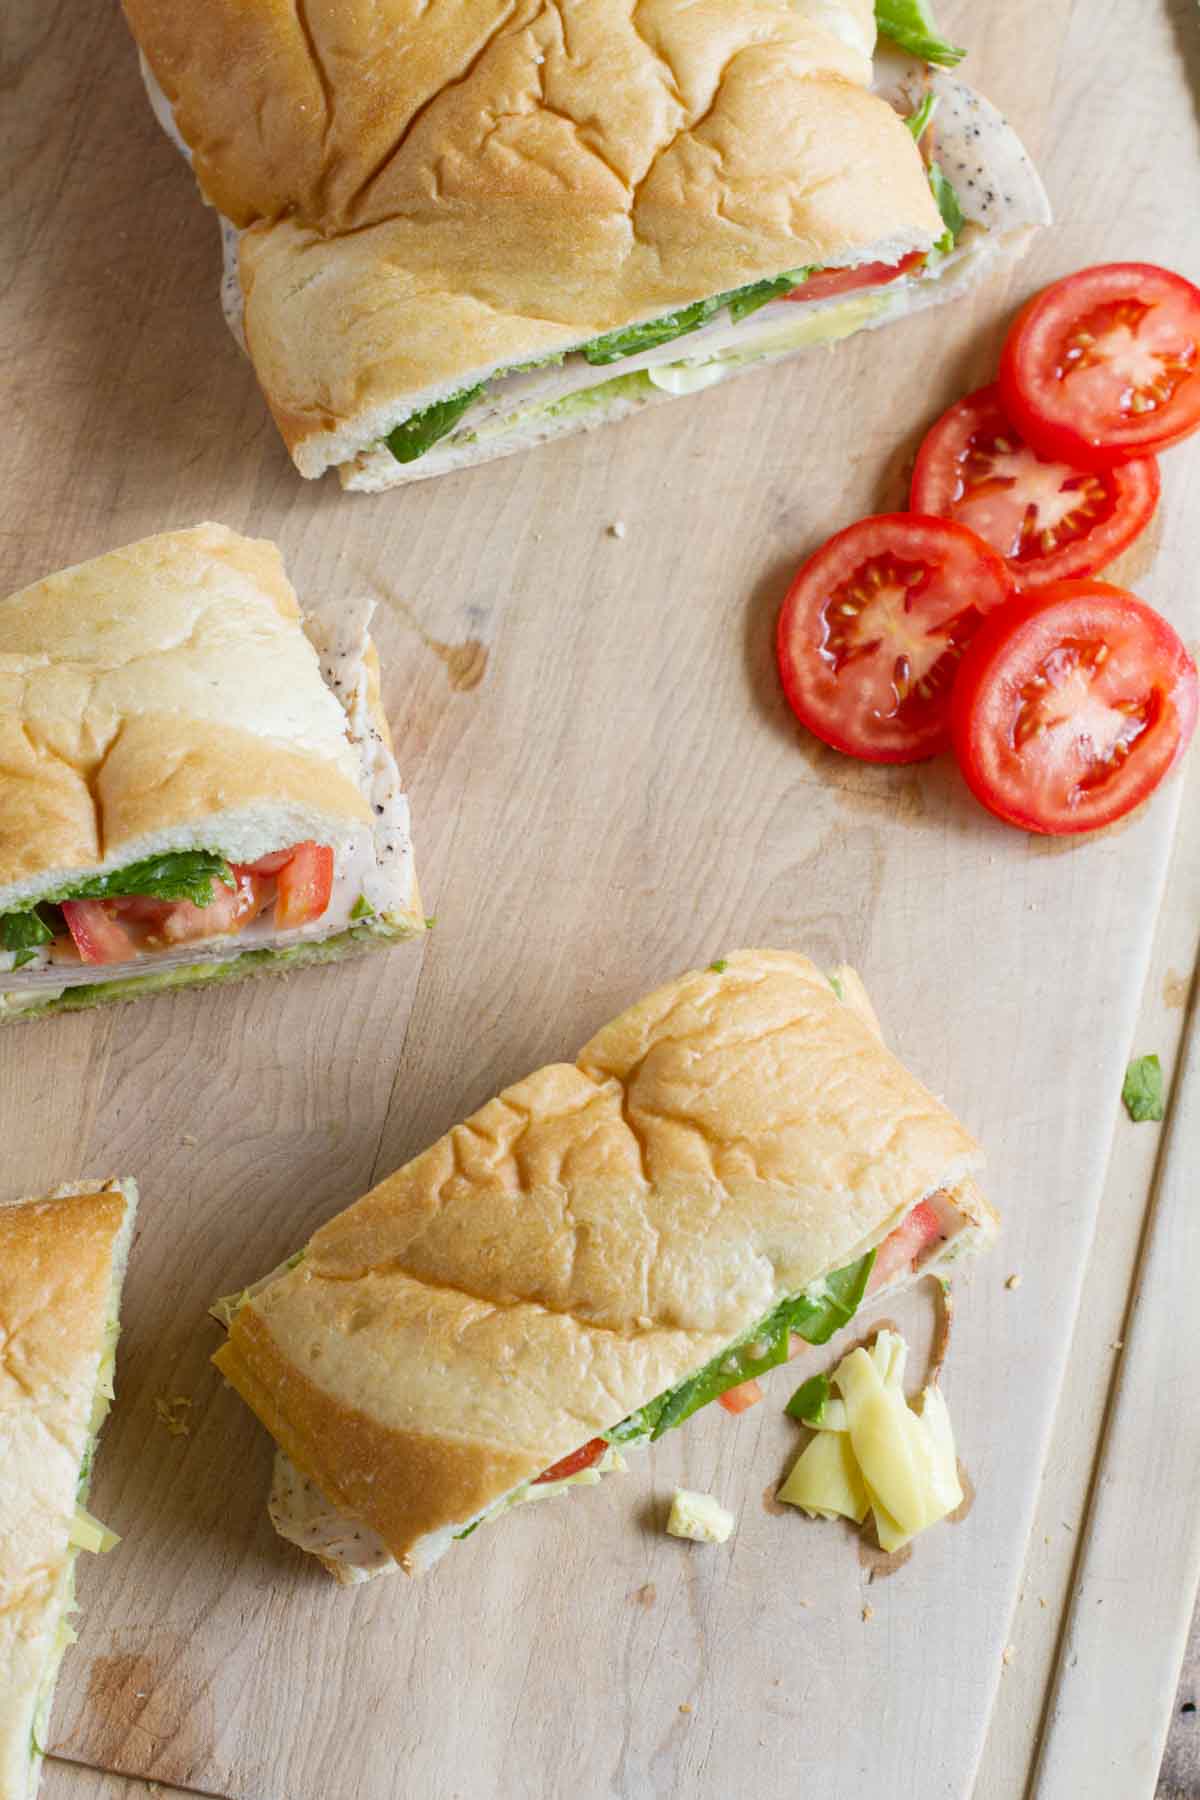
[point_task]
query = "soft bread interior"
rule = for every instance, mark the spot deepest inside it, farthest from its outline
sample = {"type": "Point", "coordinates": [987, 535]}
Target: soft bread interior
{"type": "Point", "coordinates": [590, 1238]}
{"type": "Point", "coordinates": [61, 1269]}
{"type": "Point", "coordinates": [164, 697]}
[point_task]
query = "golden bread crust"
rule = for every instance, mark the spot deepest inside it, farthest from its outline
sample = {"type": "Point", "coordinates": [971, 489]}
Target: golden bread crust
{"type": "Point", "coordinates": [586, 1240]}
{"type": "Point", "coordinates": [428, 198]}
{"type": "Point", "coordinates": [164, 685]}
{"type": "Point", "coordinates": [56, 1258]}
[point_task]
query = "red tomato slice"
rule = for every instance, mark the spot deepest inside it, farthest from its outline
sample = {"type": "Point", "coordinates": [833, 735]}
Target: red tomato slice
{"type": "Point", "coordinates": [740, 1398]}
{"type": "Point", "coordinates": [96, 933]}
{"type": "Point", "coordinates": [230, 909]}
{"type": "Point", "coordinates": [846, 281]}
{"type": "Point", "coordinates": [899, 1251]}
{"type": "Point", "coordinates": [1049, 520]}
{"type": "Point", "coordinates": [270, 864]}
{"type": "Point", "coordinates": [1105, 365]}
{"type": "Point", "coordinates": [305, 883]}
{"type": "Point", "coordinates": [583, 1458]}
{"type": "Point", "coordinates": [873, 627]}
{"type": "Point", "coordinates": [1071, 706]}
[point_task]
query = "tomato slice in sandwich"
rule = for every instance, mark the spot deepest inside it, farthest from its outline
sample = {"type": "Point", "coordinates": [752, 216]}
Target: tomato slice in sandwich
{"type": "Point", "coordinates": [741, 1398]}
{"type": "Point", "coordinates": [915, 1236]}
{"type": "Point", "coordinates": [874, 626]}
{"type": "Point", "coordinates": [578, 1460]}
{"type": "Point", "coordinates": [828, 282]}
{"type": "Point", "coordinates": [1105, 365]}
{"type": "Point", "coordinates": [1049, 520]}
{"type": "Point", "coordinates": [97, 935]}
{"type": "Point", "coordinates": [269, 864]}
{"type": "Point", "coordinates": [304, 884]}
{"type": "Point", "coordinates": [1071, 706]}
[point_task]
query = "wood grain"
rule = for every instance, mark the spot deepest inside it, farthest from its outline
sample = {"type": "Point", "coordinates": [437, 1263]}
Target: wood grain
{"type": "Point", "coordinates": [620, 794]}
{"type": "Point", "coordinates": [1121, 1597]}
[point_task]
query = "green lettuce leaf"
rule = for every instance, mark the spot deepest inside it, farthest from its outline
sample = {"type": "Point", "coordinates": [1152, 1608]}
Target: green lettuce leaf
{"type": "Point", "coordinates": [1142, 1090]}
{"type": "Point", "coordinates": [911, 24]}
{"type": "Point", "coordinates": [413, 438]}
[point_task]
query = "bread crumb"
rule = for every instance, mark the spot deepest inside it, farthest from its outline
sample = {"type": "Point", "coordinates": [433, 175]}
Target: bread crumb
{"type": "Point", "coordinates": [1117, 1344]}
{"type": "Point", "coordinates": [617, 528]}
{"type": "Point", "coordinates": [189, 1140]}
{"type": "Point", "coordinates": [684, 1707]}
{"type": "Point", "coordinates": [1041, 1600]}
{"type": "Point", "coordinates": [1007, 1655]}
{"type": "Point", "coordinates": [1013, 1283]}
{"type": "Point", "coordinates": [868, 1613]}
{"type": "Point", "coordinates": [172, 1413]}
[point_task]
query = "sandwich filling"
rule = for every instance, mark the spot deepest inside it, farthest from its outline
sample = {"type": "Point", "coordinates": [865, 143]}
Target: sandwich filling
{"type": "Point", "coordinates": [989, 198]}
{"type": "Point", "coordinates": [986, 190]}
{"type": "Point", "coordinates": [169, 917]}
{"type": "Point", "coordinates": [927, 1239]}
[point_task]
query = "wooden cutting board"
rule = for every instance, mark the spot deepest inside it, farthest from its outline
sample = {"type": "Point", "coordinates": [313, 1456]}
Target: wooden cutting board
{"type": "Point", "coordinates": [607, 788]}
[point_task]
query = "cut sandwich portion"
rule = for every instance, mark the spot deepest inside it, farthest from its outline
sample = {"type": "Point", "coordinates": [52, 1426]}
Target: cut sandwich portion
{"type": "Point", "coordinates": [598, 1252]}
{"type": "Point", "coordinates": [562, 213]}
{"type": "Point", "coordinates": [62, 1262]}
{"type": "Point", "coordinates": [196, 783]}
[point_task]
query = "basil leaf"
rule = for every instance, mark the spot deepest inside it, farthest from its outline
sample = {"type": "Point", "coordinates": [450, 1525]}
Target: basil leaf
{"type": "Point", "coordinates": [814, 1316]}
{"type": "Point", "coordinates": [747, 300]}
{"type": "Point", "coordinates": [911, 24]}
{"type": "Point", "coordinates": [918, 121]}
{"type": "Point", "coordinates": [765, 1350]}
{"type": "Point", "coordinates": [180, 875]}
{"type": "Point", "coordinates": [829, 1304]}
{"type": "Point", "coordinates": [631, 339]}
{"type": "Point", "coordinates": [22, 931]}
{"type": "Point", "coordinates": [1142, 1090]}
{"type": "Point", "coordinates": [615, 345]}
{"type": "Point", "coordinates": [947, 205]}
{"type": "Point", "coordinates": [809, 1401]}
{"type": "Point", "coordinates": [639, 1424]}
{"type": "Point", "coordinates": [416, 434]}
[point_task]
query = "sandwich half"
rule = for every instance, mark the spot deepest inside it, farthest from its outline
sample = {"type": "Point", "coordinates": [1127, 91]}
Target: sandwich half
{"type": "Point", "coordinates": [62, 1261]}
{"type": "Point", "coordinates": [455, 233]}
{"type": "Point", "coordinates": [734, 1163]}
{"type": "Point", "coordinates": [196, 783]}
